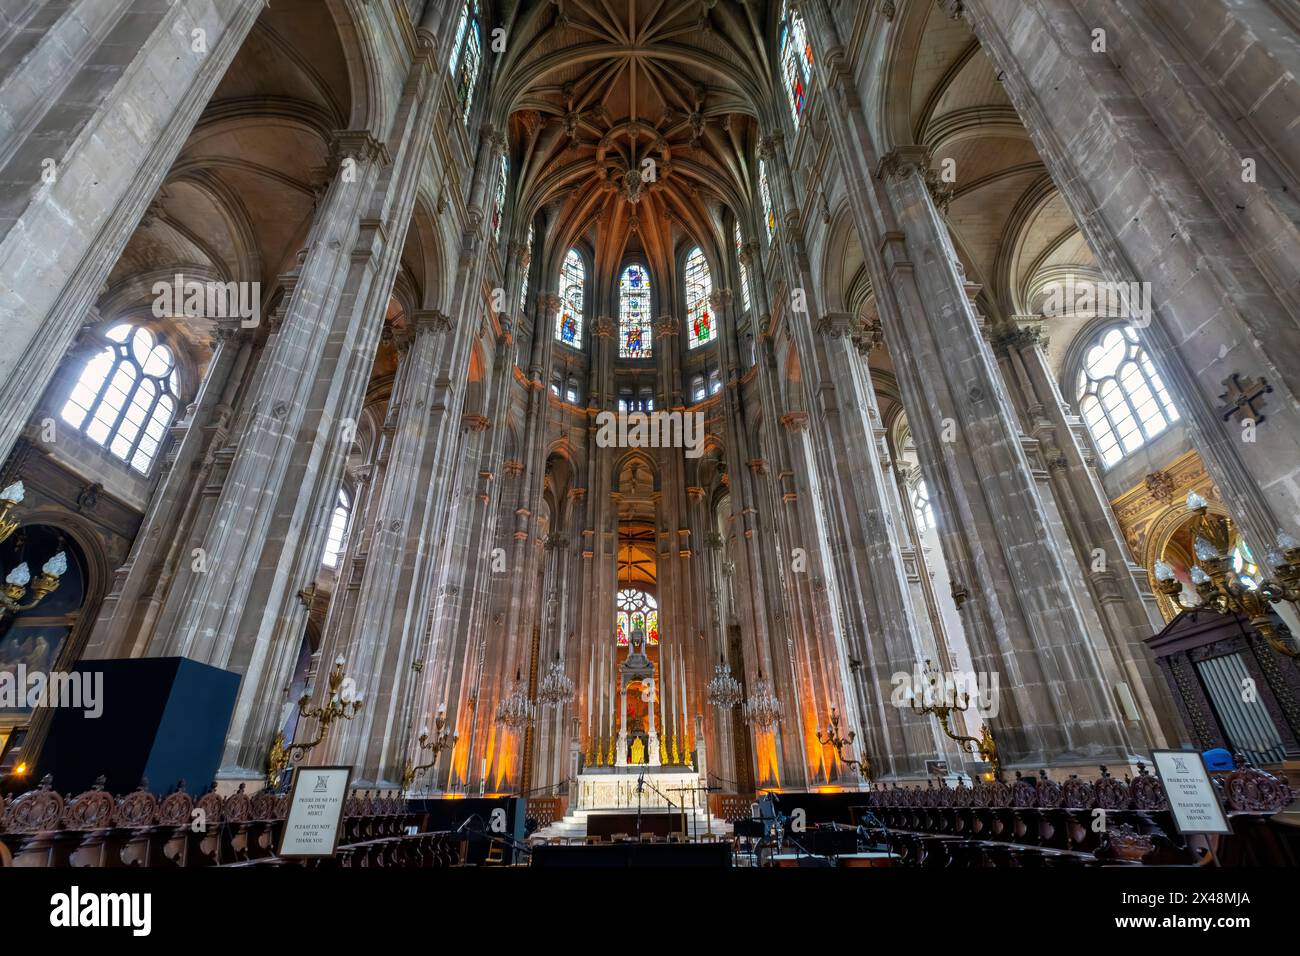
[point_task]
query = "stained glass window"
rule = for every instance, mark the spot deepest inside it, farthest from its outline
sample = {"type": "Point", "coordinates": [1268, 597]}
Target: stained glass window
{"type": "Point", "coordinates": [524, 264]}
{"type": "Point", "coordinates": [568, 324]}
{"type": "Point", "coordinates": [796, 61]}
{"type": "Point", "coordinates": [636, 609]}
{"type": "Point", "coordinates": [125, 398]}
{"type": "Point", "coordinates": [469, 54]}
{"type": "Point", "coordinates": [769, 217]}
{"type": "Point", "coordinates": [744, 269]}
{"type": "Point", "coordinates": [1121, 396]}
{"type": "Point", "coordinates": [460, 38]}
{"type": "Point", "coordinates": [634, 313]}
{"type": "Point", "coordinates": [699, 285]}
{"type": "Point", "coordinates": [499, 203]}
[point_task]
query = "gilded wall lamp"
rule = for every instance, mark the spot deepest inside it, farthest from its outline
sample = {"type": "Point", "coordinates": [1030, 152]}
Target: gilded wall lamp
{"type": "Point", "coordinates": [831, 738]}
{"type": "Point", "coordinates": [943, 710]}
{"type": "Point", "coordinates": [1220, 588]}
{"type": "Point", "coordinates": [342, 701]}
{"type": "Point", "coordinates": [435, 743]}
{"type": "Point", "coordinates": [19, 582]}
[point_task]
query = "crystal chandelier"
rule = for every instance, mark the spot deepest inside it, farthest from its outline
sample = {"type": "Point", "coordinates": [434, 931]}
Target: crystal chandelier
{"type": "Point", "coordinates": [517, 710]}
{"type": "Point", "coordinates": [724, 690]}
{"type": "Point", "coordinates": [763, 710]}
{"type": "Point", "coordinates": [556, 689]}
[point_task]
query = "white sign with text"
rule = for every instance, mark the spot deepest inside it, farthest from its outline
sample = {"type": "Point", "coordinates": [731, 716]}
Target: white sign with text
{"type": "Point", "coordinates": [1192, 798]}
{"type": "Point", "coordinates": [315, 811]}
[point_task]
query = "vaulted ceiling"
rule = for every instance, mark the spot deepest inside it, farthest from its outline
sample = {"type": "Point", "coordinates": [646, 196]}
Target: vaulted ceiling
{"type": "Point", "coordinates": [630, 117]}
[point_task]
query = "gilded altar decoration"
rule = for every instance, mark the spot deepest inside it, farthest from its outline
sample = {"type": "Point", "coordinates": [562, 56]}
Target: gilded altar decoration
{"type": "Point", "coordinates": [638, 751]}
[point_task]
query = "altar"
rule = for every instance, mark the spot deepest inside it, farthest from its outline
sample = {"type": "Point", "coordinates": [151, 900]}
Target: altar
{"type": "Point", "coordinates": [619, 790]}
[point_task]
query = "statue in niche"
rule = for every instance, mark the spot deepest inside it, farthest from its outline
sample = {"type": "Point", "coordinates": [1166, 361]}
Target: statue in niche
{"type": "Point", "coordinates": [638, 751]}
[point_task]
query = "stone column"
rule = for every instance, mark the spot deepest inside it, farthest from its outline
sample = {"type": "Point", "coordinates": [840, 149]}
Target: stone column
{"type": "Point", "coordinates": [76, 177]}
{"type": "Point", "coordinates": [263, 543]}
{"type": "Point", "coordinates": [1123, 610]}
{"type": "Point", "coordinates": [1022, 615]}
{"type": "Point", "coordinates": [382, 638]}
{"type": "Point", "coordinates": [1164, 148]}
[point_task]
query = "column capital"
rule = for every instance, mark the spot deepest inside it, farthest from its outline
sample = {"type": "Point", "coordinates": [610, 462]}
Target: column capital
{"type": "Point", "coordinates": [1017, 337]}
{"type": "Point", "coordinates": [901, 161]}
{"type": "Point", "coordinates": [552, 303]}
{"type": "Point", "coordinates": [667, 326]}
{"type": "Point", "coordinates": [953, 8]}
{"type": "Point", "coordinates": [769, 144]}
{"type": "Point", "coordinates": [603, 327]}
{"type": "Point", "coordinates": [838, 324]}
{"type": "Point", "coordinates": [718, 299]}
{"type": "Point", "coordinates": [795, 421]}
{"type": "Point", "coordinates": [357, 144]}
{"type": "Point", "coordinates": [430, 320]}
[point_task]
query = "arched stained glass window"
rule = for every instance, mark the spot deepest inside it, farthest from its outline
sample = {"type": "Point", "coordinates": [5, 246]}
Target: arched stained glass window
{"type": "Point", "coordinates": [796, 61]}
{"type": "Point", "coordinates": [744, 269]}
{"type": "Point", "coordinates": [568, 324]}
{"type": "Point", "coordinates": [769, 217]}
{"type": "Point", "coordinates": [524, 265]}
{"type": "Point", "coordinates": [125, 397]}
{"type": "Point", "coordinates": [499, 202]}
{"type": "Point", "coordinates": [467, 57]}
{"type": "Point", "coordinates": [338, 528]}
{"type": "Point", "coordinates": [699, 285]}
{"type": "Point", "coordinates": [634, 313]}
{"type": "Point", "coordinates": [637, 608]}
{"type": "Point", "coordinates": [1121, 396]}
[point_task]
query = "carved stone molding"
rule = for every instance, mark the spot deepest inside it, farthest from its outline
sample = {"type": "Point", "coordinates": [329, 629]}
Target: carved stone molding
{"type": "Point", "coordinates": [795, 421]}
{"type": "Point", "coordinates": [667, 326]}
{"type": "Point", "coordinates": [359, 145]}
{"type": "Point", "coordinates": [430, 320]}
{"type": "Point", "coordinates": [1018, 337]}
{"type": "Point", "coordinates": [603, 327]}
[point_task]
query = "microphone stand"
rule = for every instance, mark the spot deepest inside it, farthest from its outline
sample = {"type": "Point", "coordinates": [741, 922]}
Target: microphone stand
{"type": "Point", "coordinates": [661, 794]}
{"type": "Point", "coordinates": [640, 788]}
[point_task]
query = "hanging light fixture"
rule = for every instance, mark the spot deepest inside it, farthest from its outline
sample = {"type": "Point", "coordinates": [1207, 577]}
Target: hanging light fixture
{"type": "Point", "coordinates": [557, 688]}
{"type": "Point", "coordinates": [517, 710]}
{"type": "Point", "coordinates": [763, 709]}
{"type": "Point", "coordinates": [724, 690]}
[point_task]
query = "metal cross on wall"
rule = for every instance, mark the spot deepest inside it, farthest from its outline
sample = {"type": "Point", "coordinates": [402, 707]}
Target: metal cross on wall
{"type": "Point", "coordinates": [1242, 394]}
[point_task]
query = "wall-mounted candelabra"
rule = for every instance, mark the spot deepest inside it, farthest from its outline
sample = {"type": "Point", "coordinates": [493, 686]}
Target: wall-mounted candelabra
{"type": "Point", "coordinates": [948, 703]}
{"type": "Point", "coordinates": [831, 738]}
{"type": "Point", "coordinates": [19, 583]}
{"type": "Point", "coordinates": [1220, 588]}
{"type": "Point", "coordinates": [435, 743]}
{"type": "Point", "coordinates": [342, 702]}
